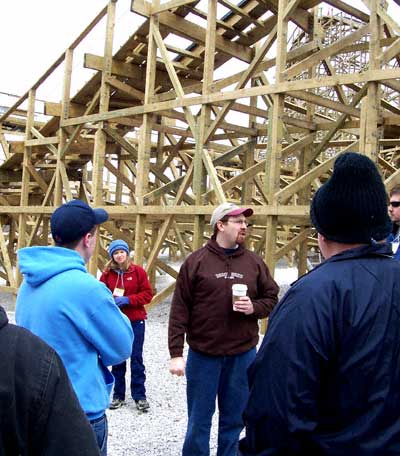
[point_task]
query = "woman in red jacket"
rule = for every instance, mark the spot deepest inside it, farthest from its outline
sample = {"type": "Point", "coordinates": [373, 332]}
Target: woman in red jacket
{"type": "Point", "coordinates": [131, 290]}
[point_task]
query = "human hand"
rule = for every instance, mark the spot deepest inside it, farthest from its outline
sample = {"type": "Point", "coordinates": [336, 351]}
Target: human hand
{"type": "Point", "coordinates": [177, 366]}
{"type": "Point", "coordinates": [121, 300]}
{"type": "Point", "coordinates": [244, 305]}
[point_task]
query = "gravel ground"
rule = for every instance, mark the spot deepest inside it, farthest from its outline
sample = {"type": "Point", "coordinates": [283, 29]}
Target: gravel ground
{"type": "Point", "coordinates": [161, 431]}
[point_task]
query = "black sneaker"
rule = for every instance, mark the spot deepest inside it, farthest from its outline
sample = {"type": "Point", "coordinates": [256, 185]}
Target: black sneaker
{"type": "Point", "coordinates": [142, 405]}
{"type": "Point", "coordinates": [116, 403]}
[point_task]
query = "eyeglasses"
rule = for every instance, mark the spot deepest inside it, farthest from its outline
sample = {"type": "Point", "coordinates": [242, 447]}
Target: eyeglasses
{"type": "Point", "coordinates": [394, 203]}
{"type": "Point", "coordinates": [240, 222]}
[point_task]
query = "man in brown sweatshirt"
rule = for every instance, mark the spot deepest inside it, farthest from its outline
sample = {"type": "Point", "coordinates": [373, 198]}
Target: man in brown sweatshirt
{"type": "Point", "coordinates": [221, 337]}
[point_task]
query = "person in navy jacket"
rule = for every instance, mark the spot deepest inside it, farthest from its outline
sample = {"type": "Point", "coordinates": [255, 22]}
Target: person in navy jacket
{"type": "Point", "coordinates": [39, 410]}
{"type": "Point", "coordinates": [326, 379]}
{"type": "Point", "coordinates": [131, 289]}
{"type": "Point", "coordinates": [394, 214]}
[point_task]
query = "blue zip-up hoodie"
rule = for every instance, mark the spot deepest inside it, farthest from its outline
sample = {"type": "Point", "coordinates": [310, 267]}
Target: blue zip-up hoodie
{"type": "Point", "coordinates": [73, 312]}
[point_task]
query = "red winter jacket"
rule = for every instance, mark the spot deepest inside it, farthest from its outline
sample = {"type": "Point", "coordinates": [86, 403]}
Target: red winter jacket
{"type": "Point", "coordinates": [137, 287]}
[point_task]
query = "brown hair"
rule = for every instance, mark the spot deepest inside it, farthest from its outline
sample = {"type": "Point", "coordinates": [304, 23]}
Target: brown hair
{"type": "Point", "coordinates": [395, 190]}
{"type": "Point", "coordinates": [224, 219]}
{"type": "Point", "coordinates": [111, 264]}
{"type": "Point", "coordinates": [73, 244]}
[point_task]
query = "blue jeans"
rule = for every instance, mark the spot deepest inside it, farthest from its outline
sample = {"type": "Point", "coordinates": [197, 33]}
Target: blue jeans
{"type": "Point", "coordinates": [208, 378]}
{"type": "Point", "coordinates": [138, 375]}
{"type": "Point", "coordinates": [100, 429]}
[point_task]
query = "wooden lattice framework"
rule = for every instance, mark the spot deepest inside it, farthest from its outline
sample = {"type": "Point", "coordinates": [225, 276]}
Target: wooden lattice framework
{"type": "Point", "coordinates": [253, 110]}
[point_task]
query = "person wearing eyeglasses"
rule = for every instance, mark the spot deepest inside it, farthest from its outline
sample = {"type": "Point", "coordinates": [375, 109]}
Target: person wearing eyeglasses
{"type": "Point", "coordinates": [394, 214]}
{"type": "Point", "coordinates": [221, 334]}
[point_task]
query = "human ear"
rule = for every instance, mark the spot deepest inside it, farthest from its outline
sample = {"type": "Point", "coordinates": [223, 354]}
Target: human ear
{"type": "Point", "coordinates": [87, 239]}
{"type": "Point", "coordinates": [220, 225]}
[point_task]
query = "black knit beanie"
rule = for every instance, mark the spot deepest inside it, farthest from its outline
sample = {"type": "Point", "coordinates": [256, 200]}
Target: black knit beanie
{"type": "Point", "coordinates": [351, 207]}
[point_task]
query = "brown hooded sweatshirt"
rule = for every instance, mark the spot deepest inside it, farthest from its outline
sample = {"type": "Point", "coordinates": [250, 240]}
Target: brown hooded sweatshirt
{"type": "Point", "coordinates": [202, 304]}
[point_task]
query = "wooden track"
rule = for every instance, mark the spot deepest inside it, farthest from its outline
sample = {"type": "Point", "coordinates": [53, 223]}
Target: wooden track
{"type": "Point", "coordinates": [253, 110]}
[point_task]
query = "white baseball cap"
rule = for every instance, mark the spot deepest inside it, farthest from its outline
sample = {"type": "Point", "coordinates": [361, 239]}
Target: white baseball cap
{"type": "Point", "coordinates": [230, 209]}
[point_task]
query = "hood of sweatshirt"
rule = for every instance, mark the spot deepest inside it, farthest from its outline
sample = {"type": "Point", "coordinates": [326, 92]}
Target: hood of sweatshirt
{"type": "Point", "coordinates": [214, 247]}
{"type": "Point", "coordinates": [39, 264]}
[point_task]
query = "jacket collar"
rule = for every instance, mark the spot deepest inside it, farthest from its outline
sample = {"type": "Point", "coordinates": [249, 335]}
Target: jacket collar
{"type": "Point", "coordinates": [374, 249]}
{"type": "Point", "coordinates": [214, 247]}
{"type": "Point", "coordinates": [377, 249]}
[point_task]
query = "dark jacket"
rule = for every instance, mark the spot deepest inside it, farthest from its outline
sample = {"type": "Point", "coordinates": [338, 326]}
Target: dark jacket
{"type": "Point", "coordinates": [202, 304]}
{"type": "Point", "coordinates": [137, 288]}
{"type": "Point", "coordinates": [39, 411]}
{"type": "Point", "coordinates": [393, 235]}
{"type": "Point", "coordinates": [326, 380]}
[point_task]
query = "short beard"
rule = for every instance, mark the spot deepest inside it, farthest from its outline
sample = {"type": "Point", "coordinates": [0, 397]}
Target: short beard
{"type": "Point", "coordinates": [240, 239]}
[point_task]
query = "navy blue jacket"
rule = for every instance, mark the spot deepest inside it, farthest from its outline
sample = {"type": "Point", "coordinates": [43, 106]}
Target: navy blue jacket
{"type": "Point", "coordinates": [39, 411]}
{"type": "Point", "coordinates": [326, 380]}
{"type": "Point", "coordinates": [391, 238]}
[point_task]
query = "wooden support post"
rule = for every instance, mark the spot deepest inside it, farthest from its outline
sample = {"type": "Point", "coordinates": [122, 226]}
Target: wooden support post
{"type": "Point", "coordinates": [248, 156]}
{"type": "Point", "coordinates": [63, 135]}
{"type": "Point", "coordinates": [24, 200]}
{"type": "Point", "coordinates": [274, 153]}
{"type": "Point", "coordinates": [143, 163]}
{"type": "Point", "coordinates": [373, 99]}
{"type": "Point", "coordinates": [203, 123]}
{"type": "Point", "coordinates": [100, 140]}
{"type": "Point", "coordinates": [156, 225]}
{"type": "Point", "coordinates": [304, 195]}
{"type": "Point", "coordinates": [118, 185]}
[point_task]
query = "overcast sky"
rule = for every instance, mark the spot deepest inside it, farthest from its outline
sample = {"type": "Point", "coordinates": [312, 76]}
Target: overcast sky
{"type": "Point", "coordinates": [33, 34]}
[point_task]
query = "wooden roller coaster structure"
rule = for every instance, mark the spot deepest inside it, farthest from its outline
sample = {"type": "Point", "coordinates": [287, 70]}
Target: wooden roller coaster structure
{"type": "Point", "coordinates": [204, 102]}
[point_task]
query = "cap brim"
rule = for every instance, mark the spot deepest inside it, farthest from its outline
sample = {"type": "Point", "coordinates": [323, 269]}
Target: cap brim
{"type": "Point", "coordinates": [246, 211]}
{"type": "Point", "coordinates": [100, 215]}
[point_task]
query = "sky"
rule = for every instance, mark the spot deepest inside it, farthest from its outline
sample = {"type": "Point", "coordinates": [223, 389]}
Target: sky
{"type": "Point", "coordinates": [33, 34]}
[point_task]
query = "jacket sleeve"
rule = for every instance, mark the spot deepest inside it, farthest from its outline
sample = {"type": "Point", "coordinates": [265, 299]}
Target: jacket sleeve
{"type": "Point", "coordinates": [61, 425]}
{"type": "Point", "coordinates": [179, 313]}
{"type": "Point", "coordinates": [110, 330]}
{"type": "Point", "coordinates": [267, 293]}
{"type": "Point", "coordinates": [145, 293]}
{"type": "Point", "coordinates": [285, 378]}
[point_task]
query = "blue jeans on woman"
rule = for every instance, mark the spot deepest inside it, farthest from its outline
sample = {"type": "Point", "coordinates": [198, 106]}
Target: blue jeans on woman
{"type": "Point", "coordinates": [215, 377]}
{"type": "Point", "coordinates": [100, 429]}
{"type": "Point", "coordinates": [138, 375]}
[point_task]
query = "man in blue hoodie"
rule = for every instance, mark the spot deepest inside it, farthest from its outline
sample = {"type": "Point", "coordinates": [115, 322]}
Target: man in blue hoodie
{"type": "Point", "coordinates": [72, 311]}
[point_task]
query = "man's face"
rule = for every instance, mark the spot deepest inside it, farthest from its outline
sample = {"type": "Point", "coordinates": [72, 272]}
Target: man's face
{"type": "Point", "coordinates": [394, 212]}
{"type": "Point", "coordinates": [234, 230]}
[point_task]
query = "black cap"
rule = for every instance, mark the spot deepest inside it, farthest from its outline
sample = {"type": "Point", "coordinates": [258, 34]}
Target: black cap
{"type": "Point", "coordinates": [351, 207]}
{"type": "Point", "coordinates": [73, 220]}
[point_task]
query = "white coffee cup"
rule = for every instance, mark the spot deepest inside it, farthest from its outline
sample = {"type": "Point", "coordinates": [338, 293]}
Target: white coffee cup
{"type": "Point", "coordinates": [238, 290]}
